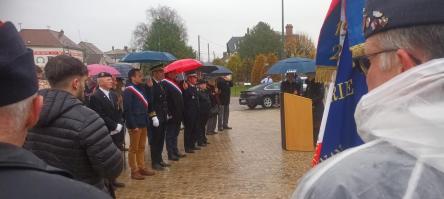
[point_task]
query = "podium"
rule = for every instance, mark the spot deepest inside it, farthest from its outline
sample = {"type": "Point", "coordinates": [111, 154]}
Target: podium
{"type": "Point", "coordinates": [296, 123]}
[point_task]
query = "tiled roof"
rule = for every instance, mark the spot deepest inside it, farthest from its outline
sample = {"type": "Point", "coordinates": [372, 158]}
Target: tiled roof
{"type": "Point", "coordinates": [47, 38]}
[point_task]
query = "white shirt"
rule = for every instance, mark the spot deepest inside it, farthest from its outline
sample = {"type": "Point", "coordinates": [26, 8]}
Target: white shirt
{"type": "Point", "coordinates": [106, 92]}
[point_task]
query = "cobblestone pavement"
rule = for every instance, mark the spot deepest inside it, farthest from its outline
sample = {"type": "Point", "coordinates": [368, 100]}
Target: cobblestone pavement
{"type": "Point", "coordinates": [245, 162]}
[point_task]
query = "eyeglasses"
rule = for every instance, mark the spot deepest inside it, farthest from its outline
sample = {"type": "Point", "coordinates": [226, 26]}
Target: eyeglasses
{"type": "Point", "coordinates": [363, 62]}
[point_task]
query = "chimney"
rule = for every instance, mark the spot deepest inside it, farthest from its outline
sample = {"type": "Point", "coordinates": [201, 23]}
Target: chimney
{"type": "Point", "coordinates": [125, 48]}
{"type": "Point", "coordinates": [112, 48]}
{"type": "Point", "coordinates": [61, 33]}
{"type": "Point", "coordinates": [289, 30]}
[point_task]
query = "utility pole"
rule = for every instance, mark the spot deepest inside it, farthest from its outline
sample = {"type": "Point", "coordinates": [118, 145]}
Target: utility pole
{"type": "Point", "coordinates": [282, 37]}
{"type": "Point", "coordinates": [208, 52]}
{"type": "Point", "coordinates": [198, 47]}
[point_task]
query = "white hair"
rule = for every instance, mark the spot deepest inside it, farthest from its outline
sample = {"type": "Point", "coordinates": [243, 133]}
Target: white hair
{"type": "Point", "coordinates": [13, 117]}
{"type": "Point", "coordinates": [429, 39]}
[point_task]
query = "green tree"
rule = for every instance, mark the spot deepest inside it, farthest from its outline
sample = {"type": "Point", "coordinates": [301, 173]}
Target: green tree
{"type": "Point", "coordinates": [219, 61]}
{"type": "Point", "coordinates": [164, 31]}
{"type": "Point", "coordinates": [260, 40]}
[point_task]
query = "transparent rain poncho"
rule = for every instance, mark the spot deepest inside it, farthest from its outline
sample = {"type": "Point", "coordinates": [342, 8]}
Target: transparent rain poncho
{"type": "Point", "coordinates": [402, 124]}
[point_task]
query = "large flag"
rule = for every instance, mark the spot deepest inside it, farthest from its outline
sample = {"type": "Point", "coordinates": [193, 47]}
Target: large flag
{"type": "Point", "coordinates": [341, 32]}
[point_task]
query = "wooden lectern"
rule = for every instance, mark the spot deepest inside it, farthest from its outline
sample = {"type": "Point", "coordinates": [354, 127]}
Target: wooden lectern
{"type": "Point", "coordinates": [296, 123]}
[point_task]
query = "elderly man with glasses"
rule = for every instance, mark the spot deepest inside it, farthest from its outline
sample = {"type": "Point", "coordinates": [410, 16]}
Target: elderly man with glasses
{"type": "Point", "coordinates": [401, 118]}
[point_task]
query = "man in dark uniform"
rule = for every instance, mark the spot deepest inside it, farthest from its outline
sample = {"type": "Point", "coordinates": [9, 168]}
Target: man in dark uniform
{"type": "Point", "coordinates": [204, 111]}
{"type": "Point", "coordinates": [22, 174]}
{"type": "Point", "coordinates": [175, 108]}
{"type": "Point", "coordinates": [191, 113]}
{"type": "Point", "coordinates": [290, 85]}
{"type": "Point", "coordinates": [104, 102]}
{"type": "Point", "coordinates": [315, 91]}
{"type": "Point", "coordinates": [224, 84]}
{"type": "Point", "coordinates": [160, 110]}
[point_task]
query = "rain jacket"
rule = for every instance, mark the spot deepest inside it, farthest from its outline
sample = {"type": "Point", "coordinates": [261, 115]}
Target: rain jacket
{"type": "Point", "coordinates": [402, 124]}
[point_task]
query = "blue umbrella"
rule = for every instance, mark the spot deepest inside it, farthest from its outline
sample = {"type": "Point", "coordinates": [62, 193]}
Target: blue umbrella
{"type": "Point", "coordinates": [123, 69]}
{"type": "Point", "coordinates": [220, 71]}
{"type": "Point", "coordinates": [294, 64]}
{"type": "Point", "coordinates": [148, 57]}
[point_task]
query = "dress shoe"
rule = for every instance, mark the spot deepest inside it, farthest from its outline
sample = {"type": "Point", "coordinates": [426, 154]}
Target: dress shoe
{"type": "Point", "coordinates": [181, 155]}
{"type": "Point", "coordinates": [137, 176]}
{"type": "Point", "coordinates": [202, 144]}
{"type": "Point", "coordinates": [158, 167]}
{"type": "Point", "coordinates": [196, 148]}
{"type": "Point", "coordinates": [118, 184]}
{"type": "Point", "coordinates": [207, 143]}
{"type": "Point", "coordinates": [189, 151]}
{"type": "Point", "coordinates": [146, 172]}
{"type": "Point", "coordinates": [220, 129]}
{"type": "Point", "coordinates": [211, 133]}
{"type": "Point", "coordinates": [164, 164]}
{"type": "Point", "coordinates": [173, 158]}
{"type": "Point", "coordinates": [227, 127]}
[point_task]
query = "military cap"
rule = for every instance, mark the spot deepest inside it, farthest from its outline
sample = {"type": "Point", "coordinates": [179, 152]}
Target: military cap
{"type": "Point", "coordinates": [103, 74]}
{"type": "Point", "coordinates": [191, 74]}
{"type": "Point", "coordinates": [158, 67]}
{"type": "Point", "coordinates": [383, 15]}
{"type": "Point", "coordinates": [201, 81]}
{"type": "Point", "coordinates": [18, 78]}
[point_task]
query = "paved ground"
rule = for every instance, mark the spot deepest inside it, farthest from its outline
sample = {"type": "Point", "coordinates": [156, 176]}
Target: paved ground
{"type": "Point", "coordinates": [246, 162]}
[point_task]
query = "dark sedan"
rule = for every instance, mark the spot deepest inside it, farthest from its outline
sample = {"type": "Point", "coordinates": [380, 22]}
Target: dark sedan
{"type": "Point", "coordinates": [266, 95]}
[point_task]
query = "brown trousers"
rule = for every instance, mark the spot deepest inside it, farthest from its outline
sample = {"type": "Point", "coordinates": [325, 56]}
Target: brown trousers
{"type": "Point", "coordinates": [136, 155]}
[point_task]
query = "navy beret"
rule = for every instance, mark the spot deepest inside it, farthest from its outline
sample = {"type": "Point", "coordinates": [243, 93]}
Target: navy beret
{"type": "Point", "coordinates": [383, 15]}
{"type": "Point", "coordinates": [103, 74]}
{"type": "Point", "coordinates": [18, 78]}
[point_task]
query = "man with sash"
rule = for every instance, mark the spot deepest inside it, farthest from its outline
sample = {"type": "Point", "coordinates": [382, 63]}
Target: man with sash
{"type": "Point", "coordinates": [175, 116]}
{"type": "Point", "coordinates": [136, 110]}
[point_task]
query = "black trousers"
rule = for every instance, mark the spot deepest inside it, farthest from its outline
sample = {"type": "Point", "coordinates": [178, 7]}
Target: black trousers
{"type": "Point", "coordinates": [203, 119]}
{"type": "Point", "coordinates": [191, 130]}
{"type": "Point", "coordinates": [157, 142]}
{"type": "Point", "coordinates": [118, 139]}
{"type": "Point", "coordinates": [172, 132]}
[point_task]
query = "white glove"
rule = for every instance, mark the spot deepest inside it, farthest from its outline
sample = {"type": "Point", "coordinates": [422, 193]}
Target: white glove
{"type": "Point", "coordinates": [119, 127]}
{"type": "Point", "coordinates": [155, 121]}
{"type": "Point", "coordinates": [169, 117]}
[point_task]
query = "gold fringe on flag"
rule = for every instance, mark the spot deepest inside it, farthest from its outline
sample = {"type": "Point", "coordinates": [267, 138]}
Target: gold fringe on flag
{"type": "Point", "coordinates": [323, 74]}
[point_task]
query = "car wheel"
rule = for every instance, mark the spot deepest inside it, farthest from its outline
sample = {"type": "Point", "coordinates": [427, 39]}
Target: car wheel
{"type": "Point", "coordinates": [267, 102]}
{"type": "Point", "coordinates": [252, 106]}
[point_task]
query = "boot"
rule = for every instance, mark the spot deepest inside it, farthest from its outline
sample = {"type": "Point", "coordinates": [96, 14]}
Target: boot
{"type": "Point", "coordinates": [137, 176]}
{"type": "Point", "coordinates": [146, 172]}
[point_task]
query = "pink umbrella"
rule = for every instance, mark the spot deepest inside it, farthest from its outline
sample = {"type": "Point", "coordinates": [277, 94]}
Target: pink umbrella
{"type": "Point", "coordinates": [95, 69]}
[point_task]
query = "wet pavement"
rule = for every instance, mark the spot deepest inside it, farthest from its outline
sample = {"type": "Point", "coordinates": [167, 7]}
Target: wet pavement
{"type": "Point", "coordinates": [245, 162]}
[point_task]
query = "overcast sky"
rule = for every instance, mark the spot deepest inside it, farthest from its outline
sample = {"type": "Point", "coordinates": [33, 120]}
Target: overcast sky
{"type": "Point", "coordinates": [108, 23]}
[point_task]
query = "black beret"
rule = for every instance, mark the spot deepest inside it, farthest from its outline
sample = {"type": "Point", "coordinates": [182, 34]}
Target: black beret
{"type": "Point", "coordinates": [383, 15]}
{"type": "Point", "coordinates": [103, 74]}
{"type": "Point", "coordinates": [18, 78]}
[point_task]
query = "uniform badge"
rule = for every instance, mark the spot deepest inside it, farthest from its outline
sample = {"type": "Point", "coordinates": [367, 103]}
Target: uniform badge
{"type": "Point", "coordinates": [374, 21]}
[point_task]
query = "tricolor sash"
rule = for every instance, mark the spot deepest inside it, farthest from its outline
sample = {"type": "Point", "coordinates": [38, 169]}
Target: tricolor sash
{"type": "Point", "coordinates": [138, 94]}
{"type": "Point", "coordinates": [173, 84]}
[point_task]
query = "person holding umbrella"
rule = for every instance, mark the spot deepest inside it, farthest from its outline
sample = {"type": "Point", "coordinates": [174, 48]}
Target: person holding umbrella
{"type": "Point", "coordinates": [175, 115]}
{"type": "Point", "coordinates": [290, 85]}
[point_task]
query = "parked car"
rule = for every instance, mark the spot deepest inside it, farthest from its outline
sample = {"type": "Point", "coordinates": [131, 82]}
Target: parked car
{"type": "Point", "coordinates": [266, 95]}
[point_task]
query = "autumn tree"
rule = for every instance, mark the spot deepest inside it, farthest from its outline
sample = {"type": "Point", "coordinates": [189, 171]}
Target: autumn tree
{"type": "Point", "coordinates": [163, 31]}
{"type": "Point", "coordinates": [219, 61]}
{"type": "Point", "coordinates": [258, 68]}
{"type": "Point", "coordinates": [235, 65]}
{"type": "Point", "coordinates": [299, 45]}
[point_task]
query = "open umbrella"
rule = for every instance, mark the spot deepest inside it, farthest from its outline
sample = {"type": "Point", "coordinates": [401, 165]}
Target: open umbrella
{"type": "Point", "coordinates": [123, 69]}
{"type": "Point", "coordinates": [183, 65]}
{"type": "Point", "coordinates": [294, 64]}
{"type": "Point", "coordinates": [221, 71]}
{"type": "Point", "coordinates": [148, 57]}
{"type": "Point", "coordinates": [208, 68]}
{"type": "Point", "coordinates": [95, 69]}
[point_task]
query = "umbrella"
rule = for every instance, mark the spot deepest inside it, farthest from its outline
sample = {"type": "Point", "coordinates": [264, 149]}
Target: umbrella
{"type": "Point", "coordinates": [123, 69]}
{"type": "Point", "coordinates": [208, 68]}
{"type": "Point", "coordinates": [183, 65]}
{"type": "Point", "coordinates": [95, 69]}
{"type": "Point", "coordinates": [294, 64]}
{"type": "Point", "coordinates": [221, 71]}
{"type": "Point", "coordinates": [148, 57]}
